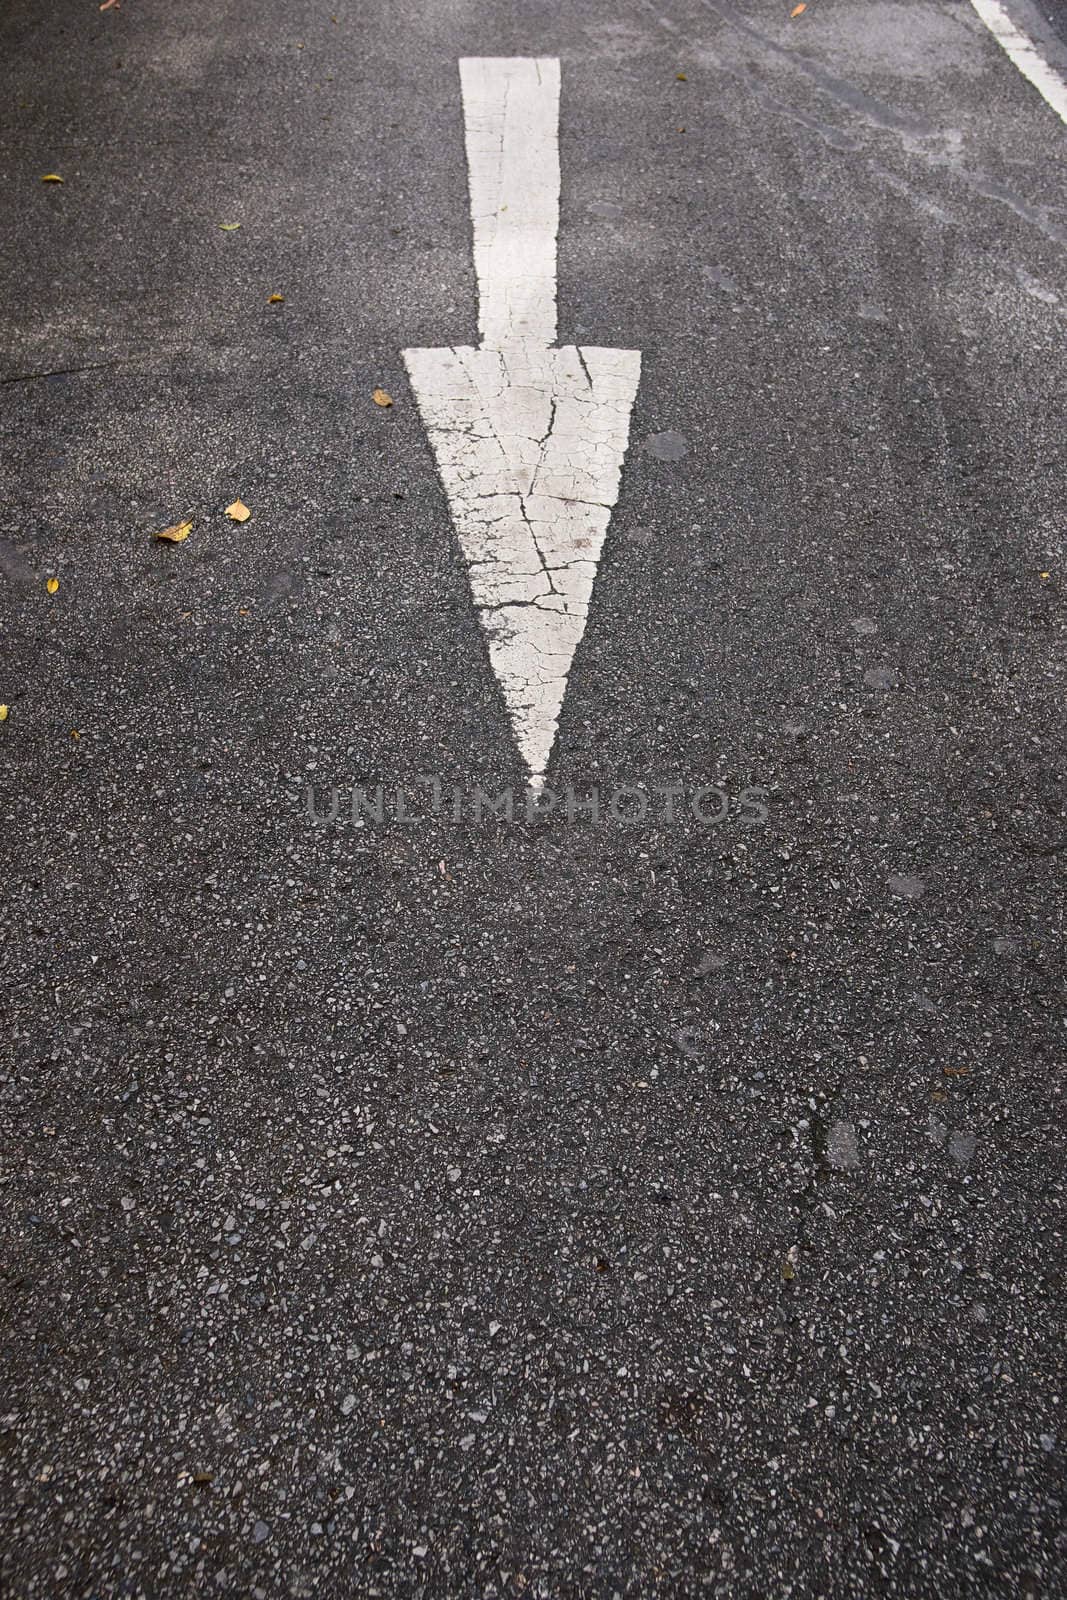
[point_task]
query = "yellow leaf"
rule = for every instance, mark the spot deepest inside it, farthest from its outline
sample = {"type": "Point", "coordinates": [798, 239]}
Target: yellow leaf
{"type": "Point", "coordinates": [1044, 576]}
{"type": "Point", "coordinates": [798, 9]}
{"type": "Point", "coordinates": [681, 77]}
{"type": "Point", "coordinates": [380, 398]}
{"type": "Point", "coordinates": [229, 227]}
{"type": "Point", "coordinates": [175, 534]}
{"type": "Point", "coordinates": [238, 512]}
{"type": "Point", "coordinates": [52, 585]}
{"type": "Point", "coordinates": [51, 177]}
{"type": "Point", "coordinates": [74, 733]}
{"type": "Point", "coordinates": [276, 300]}
{"type": "Point", "coordinates": [3, 713]}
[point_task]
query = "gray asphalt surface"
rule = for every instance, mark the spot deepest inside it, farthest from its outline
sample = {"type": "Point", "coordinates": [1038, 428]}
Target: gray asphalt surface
{"type": "Point", "coordinates": [1052, 12]}
{"type": "Point", "coordinates": [1044, 23]}
{"type": "Point", "coordinates": [580, 1209]}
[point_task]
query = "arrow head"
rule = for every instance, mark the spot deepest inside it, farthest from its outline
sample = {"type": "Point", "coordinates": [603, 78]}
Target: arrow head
{"type": "Point", "coordinates": [529, 445]}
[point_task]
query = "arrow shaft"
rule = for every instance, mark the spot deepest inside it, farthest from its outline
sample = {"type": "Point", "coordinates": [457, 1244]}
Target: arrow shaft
{"type": "Point", "coordinates": [511, 118]}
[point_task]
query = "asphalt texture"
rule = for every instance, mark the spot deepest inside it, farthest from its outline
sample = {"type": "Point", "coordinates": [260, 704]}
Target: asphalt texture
{"type": "Point", "coordinates": [578, 1208]}
{"type": "Point", "coordinates": [1044, 23]}
{"type": "Point", "coordinates": [1051, 12]}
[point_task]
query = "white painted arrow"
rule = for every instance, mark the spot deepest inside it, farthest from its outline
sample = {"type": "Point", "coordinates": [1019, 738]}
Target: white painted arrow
{"type": "Point", "coordinates": [529, 440]}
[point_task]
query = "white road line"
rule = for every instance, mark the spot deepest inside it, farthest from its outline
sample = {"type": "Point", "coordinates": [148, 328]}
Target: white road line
{"type": "Point", "coordinates": [511, 110]}
{"type": "Point", "coordinates": [529, 440]}
{"type": "Point", "coordinates": [1025, 55]}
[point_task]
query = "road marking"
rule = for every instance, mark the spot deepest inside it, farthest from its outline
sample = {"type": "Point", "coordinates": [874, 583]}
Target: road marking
{"type": "Point", "coordinates": [511, 112]}
{"type": "Point", "coordinates": [529, 440]}
{"type": "Point", "coordinates": [1024, 54]}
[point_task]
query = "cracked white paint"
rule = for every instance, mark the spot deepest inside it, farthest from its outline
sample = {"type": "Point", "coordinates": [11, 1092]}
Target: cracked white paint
{"type": "Point", "coordinates": [511, 116]}
{"type": "Point", "coordinates": [529, 440]}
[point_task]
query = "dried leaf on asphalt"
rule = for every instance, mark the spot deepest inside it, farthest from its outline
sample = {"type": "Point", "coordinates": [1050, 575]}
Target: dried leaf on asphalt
{"type": "Point", "coordinates": [380, 398]}
{"type": "Point", "coordinates": [175, 534]}
{"type": "Point", "coordinates": [51, 177]}
{"type": "Point", "coordinates": [238, 512]}
{"type": "Point", "coordinates": [108, 4]}
{"type": "Point", "coordinates": [276, 300]}
{"type": "Point", "coordinates": [681, 77]}
{"type": "Point", "coordinates": [52, 585]}
{"type": "Point", "coordinates": [798, 9]}
{"type": "Point", "coordinates": [3, 713]}
{"type": "Point", "coordinates": [229, 227]}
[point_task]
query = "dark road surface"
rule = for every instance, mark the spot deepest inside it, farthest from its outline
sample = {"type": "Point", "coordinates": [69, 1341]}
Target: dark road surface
{"type": "Point", "coordinates": [576, 1207]}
